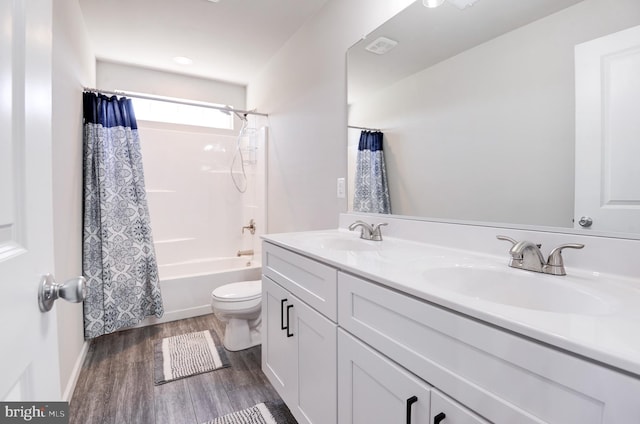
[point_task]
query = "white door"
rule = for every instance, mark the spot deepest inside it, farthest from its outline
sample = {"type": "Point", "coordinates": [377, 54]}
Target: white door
{"type": "Point", "coordinates": [608, 132]}
{"type": "Point", "coordinates": [29, 368]}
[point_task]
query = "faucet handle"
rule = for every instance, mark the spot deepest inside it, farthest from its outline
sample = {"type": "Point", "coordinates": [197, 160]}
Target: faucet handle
{"type": "Point", "coordinates": [555, 257]}
{"type": "Point", "coordinates": [357, 223]}
{"type": "Point", "coordinates": [514, 242]}
{"type": "Point", "coordinates": [376, 234]}
{"type": "Point", "coordinates": [509, 239]}
{"type": "Point", "coordinates": [555, 263]}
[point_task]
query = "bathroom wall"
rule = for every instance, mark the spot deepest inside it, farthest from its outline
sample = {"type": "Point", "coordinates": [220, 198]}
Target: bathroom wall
{"type": "Point", "coordinates": [73, 68]}
{"type": "Point", "coordinates": [303, 89]}
{"type": "Point", "coordinates": [115, 76]}
{"type": "Point", "coordinates": [458, 133]}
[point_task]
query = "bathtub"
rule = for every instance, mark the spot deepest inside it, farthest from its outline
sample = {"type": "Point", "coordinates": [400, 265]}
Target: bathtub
{"type": "Point", "coordinates": [186, 286]}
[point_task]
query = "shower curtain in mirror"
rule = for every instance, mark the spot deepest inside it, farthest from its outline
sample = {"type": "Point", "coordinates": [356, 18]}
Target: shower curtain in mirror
{"type": "Point", "coordinates": [371, 192]}
{"type": "Point", "coordinates": [118, 260]}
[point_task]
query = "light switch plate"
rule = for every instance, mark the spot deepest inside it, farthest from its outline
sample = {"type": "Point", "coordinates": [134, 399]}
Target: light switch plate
{"type": "Point", "coordinates": [341, 188]}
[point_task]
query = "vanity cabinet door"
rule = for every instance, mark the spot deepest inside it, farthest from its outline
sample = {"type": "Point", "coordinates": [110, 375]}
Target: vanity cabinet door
{"type": "Point", "coordinates": [445, 410]}
{"type": "Point", "coordinates": [316, 354]}
{"type": "Point", "coordinates": [278, 350]}
{"type": "Point", "coordinates": [299, 351]}
{"type": "Point", "coordinates": [374, 390]}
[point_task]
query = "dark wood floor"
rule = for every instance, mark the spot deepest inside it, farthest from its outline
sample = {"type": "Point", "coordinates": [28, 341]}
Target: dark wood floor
{"type": "Point", "coordinates": [116, 381]}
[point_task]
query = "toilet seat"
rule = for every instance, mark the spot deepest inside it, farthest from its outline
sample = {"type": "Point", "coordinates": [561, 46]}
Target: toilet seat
{"type": "Point", "coordinates": [238, 292]}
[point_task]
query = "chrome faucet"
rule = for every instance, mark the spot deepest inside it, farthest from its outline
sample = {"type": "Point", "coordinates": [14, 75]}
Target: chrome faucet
{"type": "Point", "coordinates": [368, 231]}
{"type": "Point", "coordinates": [527, 255]}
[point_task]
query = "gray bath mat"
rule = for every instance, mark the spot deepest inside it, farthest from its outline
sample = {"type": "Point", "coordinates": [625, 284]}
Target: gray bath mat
{"type": "Point", "coordinates": [262, 413]}
{"type": "Point", "coordinates": [187, 354]}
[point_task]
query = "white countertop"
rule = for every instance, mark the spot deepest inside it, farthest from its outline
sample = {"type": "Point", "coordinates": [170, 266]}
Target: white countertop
{"type": "Point", "coordinates": [610, 334]}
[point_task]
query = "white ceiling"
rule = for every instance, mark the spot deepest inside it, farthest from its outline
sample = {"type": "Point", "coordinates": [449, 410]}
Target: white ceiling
{"type": "Point", "coordinates": [428, 36]}
{"type": "Point", "coordinates": [231, 40]}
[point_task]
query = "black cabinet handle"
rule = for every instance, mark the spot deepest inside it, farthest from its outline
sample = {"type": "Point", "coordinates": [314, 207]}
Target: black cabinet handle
{"type": "Point", "coordinates": [410, 401]}
{"type": "Point", "coordinates": [282, 326]}
{"type": "Point", "coordinates": [438, 418]}
{"type": "Point", "coordinates": [288, 308]}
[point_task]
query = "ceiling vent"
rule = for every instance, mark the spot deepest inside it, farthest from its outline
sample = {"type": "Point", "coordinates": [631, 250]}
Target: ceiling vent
{"type": "Point", "coordinates": [381, 45]}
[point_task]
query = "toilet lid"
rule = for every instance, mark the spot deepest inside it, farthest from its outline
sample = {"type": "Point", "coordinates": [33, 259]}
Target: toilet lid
{"type": "Point", "coordinates": [236, 292]}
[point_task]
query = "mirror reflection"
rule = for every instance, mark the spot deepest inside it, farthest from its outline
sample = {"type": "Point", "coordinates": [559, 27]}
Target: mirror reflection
{"type": "Point", "coordinates": [478, 109]}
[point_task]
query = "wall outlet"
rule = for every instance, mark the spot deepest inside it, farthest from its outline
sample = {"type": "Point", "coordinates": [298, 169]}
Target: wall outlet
{"type": "Point", "coordinates": [341, 188]}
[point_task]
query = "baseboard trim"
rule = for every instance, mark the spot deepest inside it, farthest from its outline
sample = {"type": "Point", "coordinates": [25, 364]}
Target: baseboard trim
{"type": "Point", "coordinates": [75, 373]}
{"type": "Point", "coordinates": [176, 315]}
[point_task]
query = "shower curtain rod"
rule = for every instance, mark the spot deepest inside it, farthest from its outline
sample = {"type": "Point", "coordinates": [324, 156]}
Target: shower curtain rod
{"type": "Point", "coordinates": [174, 100]}
{"type": "Point", "coordinates": [363, 128]}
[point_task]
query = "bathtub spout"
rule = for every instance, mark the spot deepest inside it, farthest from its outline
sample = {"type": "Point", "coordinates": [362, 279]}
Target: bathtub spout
{"type": "Point", "coordinates": [245, 252]}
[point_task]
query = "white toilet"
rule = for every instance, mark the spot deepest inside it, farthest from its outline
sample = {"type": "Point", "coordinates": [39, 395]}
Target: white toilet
{"type": "Point", "coordinates": [239, 306]}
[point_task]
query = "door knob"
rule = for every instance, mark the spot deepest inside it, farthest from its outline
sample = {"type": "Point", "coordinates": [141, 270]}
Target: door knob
{"type": "Point", "coordinates": [73, 290]}
{"type": "Point", "coordinates": [585, 221]}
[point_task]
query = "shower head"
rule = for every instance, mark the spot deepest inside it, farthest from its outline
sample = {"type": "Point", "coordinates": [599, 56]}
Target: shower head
{"type": "Point", "coordinates": [242, 117]}
{"type": "Point", "coordinates": [228, 109]}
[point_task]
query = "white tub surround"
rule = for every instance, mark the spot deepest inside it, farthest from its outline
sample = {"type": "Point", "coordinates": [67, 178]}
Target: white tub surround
{"type": "Point", "coordinates": [555, 349]}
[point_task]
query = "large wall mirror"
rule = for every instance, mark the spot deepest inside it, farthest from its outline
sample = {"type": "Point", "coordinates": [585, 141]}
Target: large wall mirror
{"type": "Point", "coordinates": [482, 106]}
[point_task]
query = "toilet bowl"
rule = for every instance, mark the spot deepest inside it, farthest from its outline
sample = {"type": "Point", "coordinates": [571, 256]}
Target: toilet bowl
{"type": "Point", "coordinates": [238, 306]}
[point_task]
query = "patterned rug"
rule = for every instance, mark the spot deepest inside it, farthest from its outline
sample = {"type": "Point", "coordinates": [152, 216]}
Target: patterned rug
{"type": "Point", "coordinates": [262, 413]}
{"type": "Point", "coordinates": [188, 354]}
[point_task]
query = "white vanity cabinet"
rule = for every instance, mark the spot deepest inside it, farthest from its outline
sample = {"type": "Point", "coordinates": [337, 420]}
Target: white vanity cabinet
{"type": "Point", "coordinates": [500, 376]}
{"type": "Point", "coordinates": [343, 349]}
{"type": "Point", "coordinates": [298, 342]}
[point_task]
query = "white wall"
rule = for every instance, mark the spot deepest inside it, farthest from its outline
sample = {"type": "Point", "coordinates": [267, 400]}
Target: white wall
{"type": "Point", "coordinates": [114, 76]}
{"type": "Point", "coordinates": [73, 68]}
{"type": "Point", "coordinates": [489, 134]}
{"type": "Point", "coordinates": [303, 89]}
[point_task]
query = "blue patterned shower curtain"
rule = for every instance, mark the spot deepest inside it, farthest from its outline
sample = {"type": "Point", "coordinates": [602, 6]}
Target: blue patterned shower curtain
{"type": "Point", "coordinates": [371, 188]}
{"type": "Point", "coordinates": [118, 260]}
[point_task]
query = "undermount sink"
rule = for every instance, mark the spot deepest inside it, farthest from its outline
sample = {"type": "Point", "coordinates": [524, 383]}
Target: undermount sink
{"type": "Point", "coordinates": [332, 241]}
{"type": "Point", "coordinates": [521, 289]}
{"type": "Point", "coordinates": [386, 250]}
{"type": "Point", "coordinates": [349, 244]}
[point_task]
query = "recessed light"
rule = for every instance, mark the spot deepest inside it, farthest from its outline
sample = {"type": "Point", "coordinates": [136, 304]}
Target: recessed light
{"type": "Point", "coordinates": [181, 60]}
{"type": "Point", "coordinates": [432, 3]}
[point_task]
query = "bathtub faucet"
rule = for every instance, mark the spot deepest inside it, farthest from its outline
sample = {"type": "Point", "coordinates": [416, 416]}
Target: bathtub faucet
{"type": "Point", "coordinates": [251, 227]}
{"type": "Point", "coordinates": [245, 252]}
